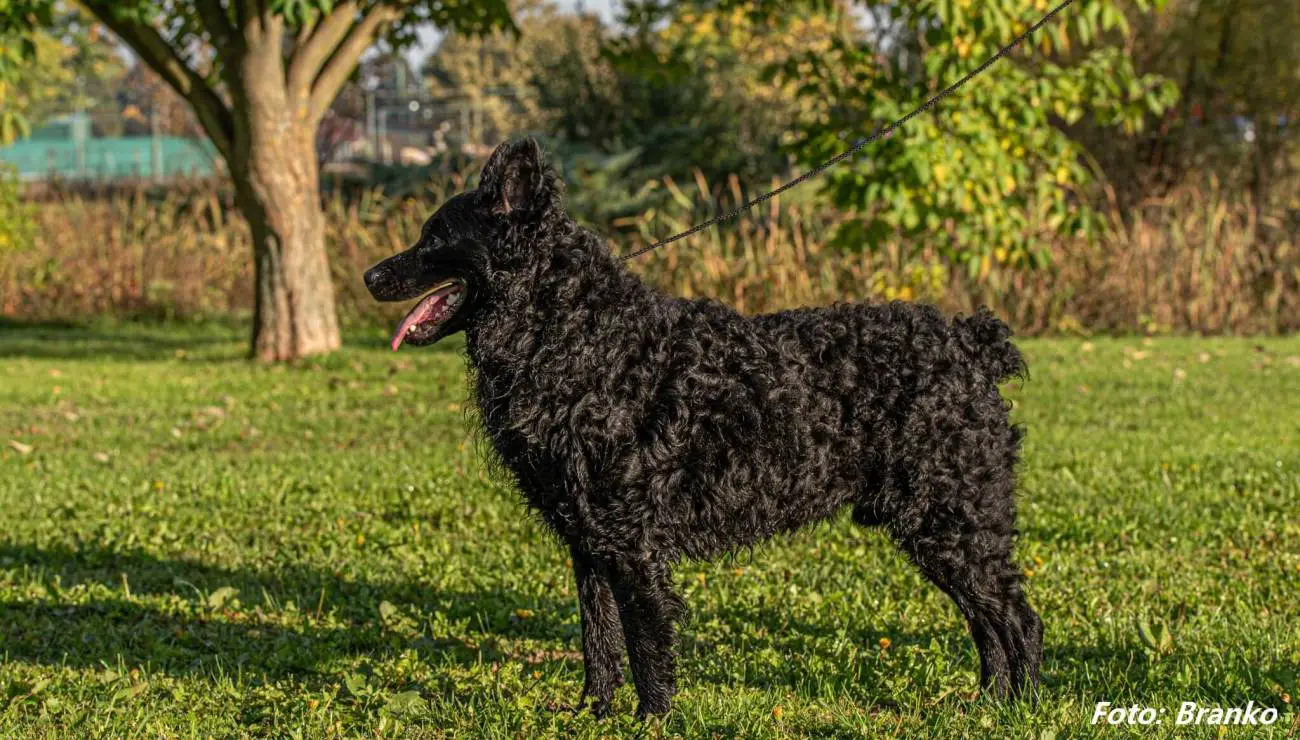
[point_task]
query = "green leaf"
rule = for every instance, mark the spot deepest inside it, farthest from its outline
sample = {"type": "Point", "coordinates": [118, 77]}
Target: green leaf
{"type": "Point", "coordinates": [130, 692]}
{"type": "Point", "coordinates": [405, 703]}
{"type": "Point", "coordinates": [357, 685]}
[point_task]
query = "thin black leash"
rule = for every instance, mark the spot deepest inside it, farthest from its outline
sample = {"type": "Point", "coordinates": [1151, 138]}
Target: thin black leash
{"type": "Point", "coordinates": [880, 132]}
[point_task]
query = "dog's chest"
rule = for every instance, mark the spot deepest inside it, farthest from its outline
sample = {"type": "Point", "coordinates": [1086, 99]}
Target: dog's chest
{"type": "Point", "coordinates": [557, 410]}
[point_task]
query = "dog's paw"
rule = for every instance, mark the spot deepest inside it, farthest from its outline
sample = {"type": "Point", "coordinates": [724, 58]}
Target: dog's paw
{"type": "Point", "coordinates": [649, 709]}
{"type": "Point", "coordinates": [599, 706]}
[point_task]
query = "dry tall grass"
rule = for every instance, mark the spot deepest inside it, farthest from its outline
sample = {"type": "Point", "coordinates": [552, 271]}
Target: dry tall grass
{"type": "Point", "coordinates": [1193, 262]}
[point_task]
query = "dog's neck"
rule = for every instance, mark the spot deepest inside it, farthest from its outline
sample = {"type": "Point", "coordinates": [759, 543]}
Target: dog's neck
{"type": "Point", "coordinates": [568, 277]}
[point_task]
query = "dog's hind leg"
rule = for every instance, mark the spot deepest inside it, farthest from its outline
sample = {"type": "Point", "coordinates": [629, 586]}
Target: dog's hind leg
{"type": "Point", "coordinates": [985, 585]}
{"type": "Point", "coordinates": [649, 610]}
{"type": "Point", "coordinates": [602, 635]}
{"type": "Point", "coordinates": [956, 520]}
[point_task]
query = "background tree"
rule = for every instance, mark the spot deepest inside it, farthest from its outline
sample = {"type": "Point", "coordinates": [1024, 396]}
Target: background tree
{"type": "Point", "coordinates": [260, 75]}
{"type": "Point", "coordinates": [1237, 68]}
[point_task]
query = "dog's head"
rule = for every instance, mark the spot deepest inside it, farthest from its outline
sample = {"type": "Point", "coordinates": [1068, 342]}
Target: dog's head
{"type": "Point", "coordinates": [474, 236]}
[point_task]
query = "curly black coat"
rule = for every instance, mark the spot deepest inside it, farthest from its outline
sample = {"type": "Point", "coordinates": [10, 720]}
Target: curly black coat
{"type": "Point", "coordinates": [645, 428]}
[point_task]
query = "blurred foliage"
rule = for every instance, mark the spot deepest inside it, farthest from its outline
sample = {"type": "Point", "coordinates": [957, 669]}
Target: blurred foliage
{"type": "Point", "coordinates": [16, 224]}
{"type": "Point", "coordinates": [492, 73]}
{"type": "Point", "coordinates": [72, 65]}
{"type": "Point", "coordinates": [752, 88]}
{"type": "Point", "coordinates": [149, 104]}
{"type": "Point", "coordinates": [689, 94]}
{"type": "Point", "coordinates": [1237, 67]}
{"type": "Point", "coordinates": [991, 174]}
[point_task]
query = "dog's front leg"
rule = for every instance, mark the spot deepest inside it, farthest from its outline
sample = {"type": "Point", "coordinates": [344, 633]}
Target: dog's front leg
{"type": "Point", "coordinates": [649, 610]}
{"type": "Point", "coordinates": [602, 635]}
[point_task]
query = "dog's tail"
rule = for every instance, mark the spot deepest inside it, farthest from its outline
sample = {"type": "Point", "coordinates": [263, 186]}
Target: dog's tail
{"type": "Point", "coordinates": [990, 343]}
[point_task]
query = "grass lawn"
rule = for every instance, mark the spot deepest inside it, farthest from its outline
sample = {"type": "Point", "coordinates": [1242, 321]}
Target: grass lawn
{"type": "Point", "coordinates": [194, 545]}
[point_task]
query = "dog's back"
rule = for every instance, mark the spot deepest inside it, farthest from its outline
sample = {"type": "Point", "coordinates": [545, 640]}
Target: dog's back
{"type": "Point", "coordinates": [766, 424]}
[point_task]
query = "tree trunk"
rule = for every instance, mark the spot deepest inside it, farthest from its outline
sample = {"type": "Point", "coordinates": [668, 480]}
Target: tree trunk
{"type": "Point", "coordinates": [277, 185]}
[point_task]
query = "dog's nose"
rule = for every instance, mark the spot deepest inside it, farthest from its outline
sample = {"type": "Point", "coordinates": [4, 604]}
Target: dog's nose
{"type": "Point", "coordinates": [373, 277]}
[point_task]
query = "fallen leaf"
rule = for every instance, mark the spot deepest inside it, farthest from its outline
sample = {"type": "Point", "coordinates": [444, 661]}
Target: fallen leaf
{"type": "Point", "coordinates": [101, 457]}
{"type": "Point", "coordinates": [131, 692]}
{"type": "Point", "coordinates": [19, 447]}
{"type": "Point", "coordinates": [222, 596]}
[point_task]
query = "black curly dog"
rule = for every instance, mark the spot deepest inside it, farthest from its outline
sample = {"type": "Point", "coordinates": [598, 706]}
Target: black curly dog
{"type": "Point", "coordinates": [644, 428]}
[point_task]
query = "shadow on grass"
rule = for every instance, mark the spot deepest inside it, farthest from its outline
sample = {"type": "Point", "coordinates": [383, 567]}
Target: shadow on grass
{"type": "Point", "coordinates": [188, 631]}
{"type": "Point", "coordinates": [162, 615]}
{"type": "Point", "coordinates": [126, 341]}
{"type": "Point", "coordinates": [151, 341]}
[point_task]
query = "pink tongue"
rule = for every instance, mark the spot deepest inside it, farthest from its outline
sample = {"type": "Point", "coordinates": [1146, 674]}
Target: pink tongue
{"type": "Point", "coordinates": [423, 311]}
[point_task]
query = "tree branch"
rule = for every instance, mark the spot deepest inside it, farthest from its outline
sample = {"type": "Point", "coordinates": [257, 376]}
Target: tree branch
{"type": "Point", "coordinates": [344, 59]}
{"type": "Point", "coordinates": [312, 53]}
{"type": "Point", "coordinates": [305, 31]}
{"type": "Point", "coordinates": [218, 25]}
{"type": "Point", "coordinates": [245, 12]}
{"type": "Point", "coordinates": [211, 110]}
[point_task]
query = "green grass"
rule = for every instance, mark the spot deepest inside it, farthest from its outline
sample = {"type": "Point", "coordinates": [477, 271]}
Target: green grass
{"type": "Point", "coordinates": [193, 545]}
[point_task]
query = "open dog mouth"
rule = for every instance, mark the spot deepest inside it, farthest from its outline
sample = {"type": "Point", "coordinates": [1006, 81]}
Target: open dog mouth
{"type": "Point", "coordinates": [434, 309]}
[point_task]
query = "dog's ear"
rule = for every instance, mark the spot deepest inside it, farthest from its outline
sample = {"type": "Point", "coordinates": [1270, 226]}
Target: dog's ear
{"type": "Point", "coordinates": [516, 178]}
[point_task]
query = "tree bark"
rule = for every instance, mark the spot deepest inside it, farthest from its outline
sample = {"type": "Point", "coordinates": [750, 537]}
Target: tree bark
{"type": "Point", "coordinates": [294, 314]}
{"type": "Point", "coordinates": [278, 187]}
